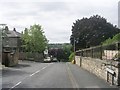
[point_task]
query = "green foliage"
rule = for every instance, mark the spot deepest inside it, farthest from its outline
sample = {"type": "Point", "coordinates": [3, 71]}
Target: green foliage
{"type": "Point", "coordinates": [60, 54]}
{"type": "Point", "coordinates": [60, 51]}
{"type": "Point", "coordinates": [71, 57]}
{"type": "Point", "coordinates": [89, 32]}
{"type": "Point", "coordinates": [55, 45]}
{"type": "Point", "coordinates": [34, 39]}
{"type": "Point", "coordinates": [67, 51]}
{"type": "Point", "coordinates": [116, 38]}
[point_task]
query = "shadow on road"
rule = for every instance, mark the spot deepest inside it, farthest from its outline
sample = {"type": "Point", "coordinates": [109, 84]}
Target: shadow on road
{"type": "Point", "coordinates": [9, 72]}
{"type": "Point", "coordinates": [19, 66]}
{"type": "Point", "coordinates": [16, 70]}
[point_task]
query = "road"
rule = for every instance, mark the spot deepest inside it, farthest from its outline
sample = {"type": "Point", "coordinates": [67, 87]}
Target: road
{"type": "Point", "coordinates": [50, 75]}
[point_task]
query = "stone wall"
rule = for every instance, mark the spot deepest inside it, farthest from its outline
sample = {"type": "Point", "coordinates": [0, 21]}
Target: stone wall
{"type": "Point", "coordinates": [31, 56]}
{"type": "Point", "coordinates": [10, 59]}
{"type": "Point", "coordinates": [13, 58]}
{"type": "Point", "coordinates": [100, 68]}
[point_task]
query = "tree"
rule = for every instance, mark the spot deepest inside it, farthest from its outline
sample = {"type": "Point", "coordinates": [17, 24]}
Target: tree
{"type": "Point", "coordinates": [67, 50]}
{"type": "Point", "coordinates": [60, 54]}
{"type": "Point", "coordinates": [34, 39]}
{"type": "Point", "coordinates": [53, 52]}
{"type": "Point", "coordinates": [71, 57]}
{"type": "Point", "coordinates": [64, 53]}
{"type": "Point", "coordinates": [60, 51]}
{"type": "Point", "coordinates": [116, 38]}
{"type": "Point", "coordinates": [91, 31]}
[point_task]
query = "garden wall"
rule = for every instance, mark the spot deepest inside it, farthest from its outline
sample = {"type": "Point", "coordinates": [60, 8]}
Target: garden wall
{"type": "Point", "coordinates": [31, 56]}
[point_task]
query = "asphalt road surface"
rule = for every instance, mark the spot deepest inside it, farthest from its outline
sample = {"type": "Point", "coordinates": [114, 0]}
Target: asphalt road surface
{"type": "Point", "coordinates": [50, 75]}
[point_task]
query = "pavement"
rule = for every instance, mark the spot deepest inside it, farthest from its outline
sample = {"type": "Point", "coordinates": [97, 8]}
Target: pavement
{"type": "Point", "coordinates": [50, 75]}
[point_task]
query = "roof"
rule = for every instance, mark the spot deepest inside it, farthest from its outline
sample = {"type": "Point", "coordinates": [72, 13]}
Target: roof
{"type": "Point", "coordinates": [13, 34]}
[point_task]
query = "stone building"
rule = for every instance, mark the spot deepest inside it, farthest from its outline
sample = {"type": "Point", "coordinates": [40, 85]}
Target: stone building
{"type": "Point", "coordinates": [10, 47]}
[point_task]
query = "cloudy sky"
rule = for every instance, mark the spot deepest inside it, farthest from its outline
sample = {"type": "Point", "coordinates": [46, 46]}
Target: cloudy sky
{"type": "Point", "coordinates": [55, 16]}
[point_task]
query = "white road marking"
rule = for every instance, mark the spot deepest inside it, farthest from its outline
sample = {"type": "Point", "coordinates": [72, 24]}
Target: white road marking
{"type": "Point", "coordinates": [30, 76]}
{"type": "Point", "coordinates": [40, 70]}
{"type": "Point", "coordinates": [16, 85]}
{"type": "Point", "coordinates": [34, 73]}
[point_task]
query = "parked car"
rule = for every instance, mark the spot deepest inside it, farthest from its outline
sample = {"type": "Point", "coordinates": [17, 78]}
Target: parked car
{"type": "Point", "coordinates": [48, 59]}
{"type": "Point", "coordinates": [54, 59]}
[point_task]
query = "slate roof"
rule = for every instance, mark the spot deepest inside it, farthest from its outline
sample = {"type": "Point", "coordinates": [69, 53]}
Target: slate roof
{"type": "Point", "coordinates": [13, 34]}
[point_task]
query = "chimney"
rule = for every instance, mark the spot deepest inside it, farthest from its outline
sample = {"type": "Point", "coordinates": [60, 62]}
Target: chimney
{"type": "Point", "coordinates": [14, 29]}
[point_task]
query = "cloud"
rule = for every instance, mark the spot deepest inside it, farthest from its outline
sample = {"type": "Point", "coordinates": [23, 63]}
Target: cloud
{"type": "Point", "coordinates": [55, 16]}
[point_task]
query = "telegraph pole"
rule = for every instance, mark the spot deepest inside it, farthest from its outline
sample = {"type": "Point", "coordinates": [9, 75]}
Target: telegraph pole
{"type": "Point", "coordinates": [74, 45]}
{"type": "Point", "coordinates": [2, 27]}
{"type": "Point", "coordinates": [74, 50]}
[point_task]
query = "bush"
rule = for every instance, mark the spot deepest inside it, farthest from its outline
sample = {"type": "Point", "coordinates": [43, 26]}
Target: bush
{"type": "Point", "coordinates": [116, 38]}
{"type": "Point", "coordinates": [71, 57]}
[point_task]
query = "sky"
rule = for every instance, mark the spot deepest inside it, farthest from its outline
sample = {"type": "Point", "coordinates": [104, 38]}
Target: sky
{"type": "Point", "coordinates": [55, 16]}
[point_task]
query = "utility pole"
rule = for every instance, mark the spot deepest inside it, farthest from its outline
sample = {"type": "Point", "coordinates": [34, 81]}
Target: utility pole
{"type": "Point", "coordinates": [74, 50]}
{"type": "Point", "coordinates": [2, 27]}
{"type": "Point", "coordinates": [74, 45]}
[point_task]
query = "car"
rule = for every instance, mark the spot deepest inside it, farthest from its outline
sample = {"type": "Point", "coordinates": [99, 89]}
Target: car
{"type": "Point", "coordinates": [48, 59]}
{"type": "Point", "coordinates": [54, 59]}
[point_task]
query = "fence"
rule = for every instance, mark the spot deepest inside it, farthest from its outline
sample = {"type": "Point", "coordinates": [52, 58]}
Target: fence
{"type": "Point", "coordinates": [103, 52]}
{"type": "Point", "coordinates": [103, 61]}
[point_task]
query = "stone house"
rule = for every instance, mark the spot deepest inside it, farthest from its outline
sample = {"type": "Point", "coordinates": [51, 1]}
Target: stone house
{"type": "Point", "coordinates": [10, 47]}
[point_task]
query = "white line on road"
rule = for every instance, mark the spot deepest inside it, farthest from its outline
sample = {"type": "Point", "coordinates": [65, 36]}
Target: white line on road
{"type": "Point", "coordinates": [15, 85]}
{"type": "Point", "coordinates": [40, 70]}
{"type": "Point", "coordinates": [30, 76]}
{"type": "Point", "coordinates": [34, 73]}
